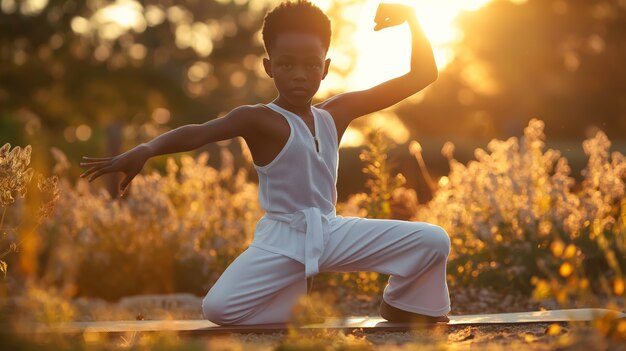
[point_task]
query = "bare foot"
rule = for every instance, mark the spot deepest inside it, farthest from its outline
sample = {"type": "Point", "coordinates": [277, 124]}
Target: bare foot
{"type": "Point", "coordinates": [393, 314]}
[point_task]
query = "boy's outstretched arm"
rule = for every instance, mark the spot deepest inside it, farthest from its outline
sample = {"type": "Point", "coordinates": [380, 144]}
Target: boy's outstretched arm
{"type": "Point", "coordinates": [238, 122]}
{"type": "Point", "coordinates": [347, 106]}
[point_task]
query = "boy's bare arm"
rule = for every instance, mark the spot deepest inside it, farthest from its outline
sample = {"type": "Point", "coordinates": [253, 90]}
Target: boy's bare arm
{"type": "Point", "coordinates": [347, 106]}
{"type": "Point", "coordinates": [238, 122]}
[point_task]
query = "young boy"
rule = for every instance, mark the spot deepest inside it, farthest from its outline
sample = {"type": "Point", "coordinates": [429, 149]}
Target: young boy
{"type": "Point", "coordinates": [294, 147]}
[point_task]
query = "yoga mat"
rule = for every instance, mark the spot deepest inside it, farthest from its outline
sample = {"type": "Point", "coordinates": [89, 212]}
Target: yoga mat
{"type": "Point", "coordinates": [365, 323]}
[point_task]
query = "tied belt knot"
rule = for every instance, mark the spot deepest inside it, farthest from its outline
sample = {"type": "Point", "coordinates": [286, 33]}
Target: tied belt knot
{"type": "Point", "coordinates": [314, 224]}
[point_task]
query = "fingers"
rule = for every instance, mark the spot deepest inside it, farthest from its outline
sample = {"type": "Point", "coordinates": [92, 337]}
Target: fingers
{"type": "Point", "coordinates": [386, 23]}
{"type": "Point", "coordinates": [129, 177]}
{"type": "Point", "coordinates": [383, 24]}
{"type": "Point", "coordinates": [93, 163]}
{"type": "Point", "coordinates": [380, 18]}
{"type": "Point", "coordinates": [97, 161]}
{"type": "Point", "coordinates": [383, 12]}
{"type": "Point", "coordinates": [99, 173]}
{"type": "Point", "coordinates": [92, 169]}
{"type": "Point", "coordinates": [95, 175]}
{"type": "Point", "coordinates": [389, 15]}
{"type": "Point", "coordinates": [97, 158]}
{"type": "Point", "coordinates": [88, 172]}
{"type": "Point", "coordinates": [125, 182]}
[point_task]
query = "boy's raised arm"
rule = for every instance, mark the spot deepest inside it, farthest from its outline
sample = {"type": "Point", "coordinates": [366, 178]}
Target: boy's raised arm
{"type": "Point", "coordinates": [238, 122]}
{"type": "Point", "coordinates": [347, 106]}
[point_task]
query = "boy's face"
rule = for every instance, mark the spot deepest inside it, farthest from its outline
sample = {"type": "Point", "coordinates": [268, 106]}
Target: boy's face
{"type": "Point", "coordinates": [297, 60]}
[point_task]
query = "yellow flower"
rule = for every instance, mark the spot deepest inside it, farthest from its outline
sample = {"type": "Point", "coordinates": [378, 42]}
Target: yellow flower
{"type": "Point", "coordinates": [566, 269]}
{"type": "Point", "coordinates": [618, 286]}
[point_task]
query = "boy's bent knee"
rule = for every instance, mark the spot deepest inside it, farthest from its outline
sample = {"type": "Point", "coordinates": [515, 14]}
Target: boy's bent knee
{"type": "Point", "coordinates": [213, 309]}
{"type": "Point", "coordinates": [441, 240]}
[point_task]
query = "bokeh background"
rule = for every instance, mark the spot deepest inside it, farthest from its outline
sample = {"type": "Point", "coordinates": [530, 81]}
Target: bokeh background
{"type": "Point", "coordinates": [540, 84]}
{"type": "Point", "coordinates": [96, 78]}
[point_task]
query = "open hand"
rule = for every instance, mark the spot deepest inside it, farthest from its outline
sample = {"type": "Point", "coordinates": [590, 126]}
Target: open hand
{"type": "Point", "coordinates": [130, 163]}
{"type": "Point", "coordinates": [389, 15]}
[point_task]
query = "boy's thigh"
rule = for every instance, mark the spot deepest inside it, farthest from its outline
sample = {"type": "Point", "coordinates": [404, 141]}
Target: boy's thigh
{"type": "Point", "coordinates": [387, 246]}
{"type": "Point", "coordinates": [252, 280]}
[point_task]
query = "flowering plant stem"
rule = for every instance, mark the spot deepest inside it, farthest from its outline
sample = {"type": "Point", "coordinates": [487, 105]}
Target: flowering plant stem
{"type": "Point", "coordinates": [4, 211]}
{"type": "Point", "coordinates": [14, 247]}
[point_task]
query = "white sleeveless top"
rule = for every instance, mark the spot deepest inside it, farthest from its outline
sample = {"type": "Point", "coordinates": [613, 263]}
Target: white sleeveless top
{"type": "Point", "coordinates": [298, 191]}
{"type": "Point", "coordinates": [300, 177]}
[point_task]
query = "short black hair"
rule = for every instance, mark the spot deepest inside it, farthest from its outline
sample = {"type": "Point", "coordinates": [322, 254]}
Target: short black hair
{"type": "Point", "coordinates": [300, 16]}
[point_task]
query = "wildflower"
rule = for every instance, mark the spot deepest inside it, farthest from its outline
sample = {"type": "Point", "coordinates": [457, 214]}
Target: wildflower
{"type": "Point", "coordinates": [50, 195]}
{"type": "Point", "coordinates": [14, 174]}
{"type": "Point", "coordinates": [618, 286]}
{"type": "Point", "coordinates": [448, 150]}
{"type": "Point", "coordinates": [415, 147]}
{"type": "Point", "coordinates": [62, 164]}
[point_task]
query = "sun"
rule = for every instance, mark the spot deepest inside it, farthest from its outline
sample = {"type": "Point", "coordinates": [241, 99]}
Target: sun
{"type": "Point", "coordinates": [386, 54]}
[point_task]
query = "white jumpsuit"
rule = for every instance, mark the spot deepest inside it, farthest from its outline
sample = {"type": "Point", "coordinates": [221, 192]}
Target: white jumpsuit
{"type": "Point", "coordinates": [301, 235]}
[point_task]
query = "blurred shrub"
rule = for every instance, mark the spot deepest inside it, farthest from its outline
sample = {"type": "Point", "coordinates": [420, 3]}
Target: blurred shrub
{"type": "Point", "coordinates": [384, 197]}
{"type": "Point", "coordinates": [173, 232]}
{"type": "Point", "coordinates": [516, 220]}
{"type": "Point", "coordinates": [382, 185]}
{"type": "Point", "coordinates": [15, 181]}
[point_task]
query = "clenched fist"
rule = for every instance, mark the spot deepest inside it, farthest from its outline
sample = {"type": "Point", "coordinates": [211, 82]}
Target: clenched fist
{"type": "Point", "coordinates": [389, 15]}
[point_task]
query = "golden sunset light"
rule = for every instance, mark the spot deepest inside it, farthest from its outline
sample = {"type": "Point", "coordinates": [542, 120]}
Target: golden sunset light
{"type": "Point", "coordinates": [172, 177]}
{"type": "Point", "coordinates": [385, 54]}
{"type": "Point", "coordinates": [379, 55]}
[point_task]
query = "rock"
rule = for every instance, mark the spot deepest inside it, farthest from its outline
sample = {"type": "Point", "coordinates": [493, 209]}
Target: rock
{"type": "Point", "coordinates": [161, 301]}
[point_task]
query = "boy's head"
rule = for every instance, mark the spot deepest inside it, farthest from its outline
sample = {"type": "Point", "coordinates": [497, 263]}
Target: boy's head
{"type": "Point", "coordinates": [300, 16]}
{"type": "Point", "coordinates": [296, 36]}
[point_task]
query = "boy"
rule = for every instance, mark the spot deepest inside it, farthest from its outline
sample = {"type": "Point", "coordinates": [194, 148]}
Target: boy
{"type": "Point", "coordinates": [294, 146]}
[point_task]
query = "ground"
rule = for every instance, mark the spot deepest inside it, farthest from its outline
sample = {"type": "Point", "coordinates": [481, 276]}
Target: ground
{"type": "Point", "coordinates": [467, 301]}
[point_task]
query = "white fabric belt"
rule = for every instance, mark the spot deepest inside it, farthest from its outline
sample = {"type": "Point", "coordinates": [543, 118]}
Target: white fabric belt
{"type": "Point", "coordinates": [314, 224]}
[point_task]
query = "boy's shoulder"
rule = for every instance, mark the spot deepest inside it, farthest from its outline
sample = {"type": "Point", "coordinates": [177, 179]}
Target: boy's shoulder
{"type": "Point", "coordinates": [260, 108]}
{"type": "Point", "coordinates": [247, 113]}
{"type": "Point", "coordinates": [257, 120]}
{"type": "Point", "coordinates": [252, 109]}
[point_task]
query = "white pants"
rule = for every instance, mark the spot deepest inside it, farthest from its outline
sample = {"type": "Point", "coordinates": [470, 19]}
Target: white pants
{"type": "Point", "coordinates": [262, 284]}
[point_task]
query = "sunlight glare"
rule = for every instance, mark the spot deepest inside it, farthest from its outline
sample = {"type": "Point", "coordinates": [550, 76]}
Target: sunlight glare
{"type": "Point", "coordinates": [33, 7]}
{"type": "Point", "coordinates": [386, 54]}
{"type": "Point", "coordinates": [352, 137]}
{"type": "Point", "coordinates": [386, 121]}
{"type": "Point", "coordinates": [389, 123]}
{"type": "Point", "coordinates": [324, 5]}
{"type": "Point", "coordinates": [117, 18]}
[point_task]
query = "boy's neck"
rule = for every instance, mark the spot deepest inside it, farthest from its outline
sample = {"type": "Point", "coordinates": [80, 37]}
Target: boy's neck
{"type": "Point", "coordinates": [302, 110]}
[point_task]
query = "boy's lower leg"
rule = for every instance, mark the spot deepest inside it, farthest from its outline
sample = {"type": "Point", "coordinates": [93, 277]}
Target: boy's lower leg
{"type": "Point", "coordinates": [393, 314]}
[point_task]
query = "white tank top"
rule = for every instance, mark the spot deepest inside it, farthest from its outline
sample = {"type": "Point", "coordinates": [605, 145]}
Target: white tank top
{"type": "Point", "coordinates": [298, 191]}
{"type": "Point", "coordinates": [299, 177]}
